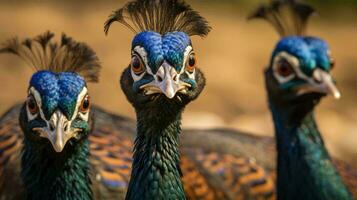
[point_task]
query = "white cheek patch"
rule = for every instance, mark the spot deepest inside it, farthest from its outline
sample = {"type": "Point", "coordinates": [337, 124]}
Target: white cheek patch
{"type": "Point", "coordinates": [76, 113]}
{"type": "Point", "coordinates": [295, 64]}
{"type": "Point", "coordinates": [38, 100]}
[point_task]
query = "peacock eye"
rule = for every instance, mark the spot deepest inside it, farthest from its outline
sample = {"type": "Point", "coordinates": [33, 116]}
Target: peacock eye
{"type": "Point", "coordinates": [32, 105]}
{"type": "Point", "coordinates": [284, 68]}
{"type": "Point", "coordinates": [191, 63]}
{"type": "Point", "coordinates": [332, 63]}
{"type": "Point", "coordinates": [137, 66]}
{"type": "Point", "coordinates": [85, 105]}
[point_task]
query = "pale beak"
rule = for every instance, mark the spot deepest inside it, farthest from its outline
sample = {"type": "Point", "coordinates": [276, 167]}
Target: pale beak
{"type": "Point", "coordinates": [58, 131]}
{"type": "Point", "coordinates": [323, 83]}
{"type": "Point", "coordinates": [166, 81]}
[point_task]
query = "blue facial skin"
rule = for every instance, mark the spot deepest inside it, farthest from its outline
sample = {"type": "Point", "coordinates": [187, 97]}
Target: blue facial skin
{"type": "Point", "coordinates": [169, 47]}
{"type": "Point", "coordinates": [312, 53]}
{"type": "Point", "coordinates": [58, 91]}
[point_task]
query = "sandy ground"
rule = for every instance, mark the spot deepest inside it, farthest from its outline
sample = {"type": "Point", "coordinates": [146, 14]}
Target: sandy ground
{"type": "Point", "coordinates": [233, 57]}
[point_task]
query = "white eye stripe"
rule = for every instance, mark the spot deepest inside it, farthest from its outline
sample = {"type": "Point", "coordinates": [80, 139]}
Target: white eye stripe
{"type": "Point", "coordinates": [37, 96]}
{"type": "Point", "coordinates": [143, 54]}
{"type": "Point", "coordinates": [294, 63]}
{"type": "Point", "coordinates": [76, 113]}
{"type": "Point", "coordinates": [187, 53]}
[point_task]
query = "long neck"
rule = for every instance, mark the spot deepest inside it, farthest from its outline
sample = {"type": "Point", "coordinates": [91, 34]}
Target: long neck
{"type": "Point", "coordinates": [58, 176]}
{"type": "Point", "coordinates": [305, 170]}
{"type": "Point", "coordinates": [156, 172]}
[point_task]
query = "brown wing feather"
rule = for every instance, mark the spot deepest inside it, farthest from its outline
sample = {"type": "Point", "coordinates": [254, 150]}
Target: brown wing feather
{"type": "Point", "coordinates": [349, 175]}
{"type": "Point", "coordinates": [10, 151]}
{"type": "Point", "coordinates": [241, 177]}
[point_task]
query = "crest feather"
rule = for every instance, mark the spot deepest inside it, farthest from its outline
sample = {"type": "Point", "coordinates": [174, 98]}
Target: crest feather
{"type": "Point", "coordinates": [161, 16]}
{"type": "Point", "coordinates": [68, 56]}
{"type": "Point", "coordinates": [288, 17]}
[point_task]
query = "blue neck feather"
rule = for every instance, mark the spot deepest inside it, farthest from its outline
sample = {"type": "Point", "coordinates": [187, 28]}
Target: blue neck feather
{"type": "Point", "coordinates": [305, 169]}
{"type": "Point", "coordinates": [156, 172]}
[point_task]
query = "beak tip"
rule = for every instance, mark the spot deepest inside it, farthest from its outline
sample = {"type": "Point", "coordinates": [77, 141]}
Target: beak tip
{"type": "Point", "coordinates": [58, 149]}
{"type": "Point", "coordinates": [337, 95]}
{"type": "Point", "coordinates": [58, 146]}
{"type": "Point", "coordinates": [170, 96]}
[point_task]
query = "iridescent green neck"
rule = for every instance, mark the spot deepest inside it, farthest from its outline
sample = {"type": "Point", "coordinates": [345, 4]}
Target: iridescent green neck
{"type": "Point", "coordinates": [305, 169]}
{"type": "Point", "coordinates": [59, 176]}
{"type": "Point", "coordinates": [156, 172]}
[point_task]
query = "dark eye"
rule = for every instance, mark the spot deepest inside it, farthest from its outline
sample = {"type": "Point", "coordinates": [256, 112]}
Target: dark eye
{"type": "Point", "coordinates": [137, 65]}
{"type": "Point", "coordinates": [332, 63]}
{"type": "Point", "coordinates": [284, 68]}
{"type": "Point", "coordinates": [32, 105]}
{"type": "Point", "coordinates": [86, 104]}
{"type": "Point", "coordinates": [191, 63]}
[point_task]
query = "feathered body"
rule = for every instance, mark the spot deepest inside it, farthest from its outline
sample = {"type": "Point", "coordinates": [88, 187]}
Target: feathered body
{"type": "Point", "coordinates": [297, 77]}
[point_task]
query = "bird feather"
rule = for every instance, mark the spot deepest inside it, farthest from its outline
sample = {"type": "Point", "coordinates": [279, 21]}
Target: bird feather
{"type": "Point", "coordinates": [161, 16]}
{"type": "Point", "coordinates": [288, 17]}
{"type": "Point", "coordinates": [41, 53]}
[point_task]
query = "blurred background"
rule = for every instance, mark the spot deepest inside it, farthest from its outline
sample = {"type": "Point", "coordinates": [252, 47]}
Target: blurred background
{"type": "Point", "coordinates": [233, 58]}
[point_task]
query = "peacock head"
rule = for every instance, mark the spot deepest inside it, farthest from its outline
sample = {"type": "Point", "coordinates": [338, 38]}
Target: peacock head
{"type": "Point", "coordinates": [299, 70]}
{"type": "Point", "coordinates": [57, 110]}
{"type": "Point", "coordinates": [163, 66]}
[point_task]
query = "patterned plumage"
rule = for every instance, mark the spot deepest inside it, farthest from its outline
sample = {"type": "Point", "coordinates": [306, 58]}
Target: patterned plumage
{"type": "Point", "coordinates": [297, 78]}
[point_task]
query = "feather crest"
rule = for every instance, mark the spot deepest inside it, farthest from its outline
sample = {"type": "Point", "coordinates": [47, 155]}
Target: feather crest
{"type": "Point", "coordinates": [288, 17]}
{"type": "Point", "coordinates": [68, 56]}
{"type": "Point", "coordinates": [161, 16]}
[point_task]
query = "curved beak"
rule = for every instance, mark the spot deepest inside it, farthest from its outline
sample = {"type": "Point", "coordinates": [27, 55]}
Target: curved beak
{"type": "Point", "coordinates": [58, 131]}
{"type": "Point", "coordinates": [322, 83]}
{"type": "Point", "coordinates": [166, 81]}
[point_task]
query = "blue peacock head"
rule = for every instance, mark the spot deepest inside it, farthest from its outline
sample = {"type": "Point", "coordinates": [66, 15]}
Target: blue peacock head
{"type": "Point", "coordinates": [163, 62]}
{"type": "Point", "coordinates": [57, 108]}
{"type": "Point", "coordinates": [300, 65]}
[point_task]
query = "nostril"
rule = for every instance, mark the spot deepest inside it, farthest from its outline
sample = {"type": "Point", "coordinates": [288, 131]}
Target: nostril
{"type": "Point", "coordinates": [52, 127]}
{"type": "Point", "coordinates": [175, 77]}
{"type": "Point", "coordinates": [159, 78]}
{"type": "Point", "coordinates": [65, 127]}
{"type": "Point", "coordinates": [318, 80]}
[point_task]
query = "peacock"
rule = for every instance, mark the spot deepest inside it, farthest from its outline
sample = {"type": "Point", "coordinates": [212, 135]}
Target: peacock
{"type": "Point", "coordinates": [46, 150]}
{"type": "Point", "coordinates": [297, 78]}
{"type": "Point", "coordinates": [162, 78]}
